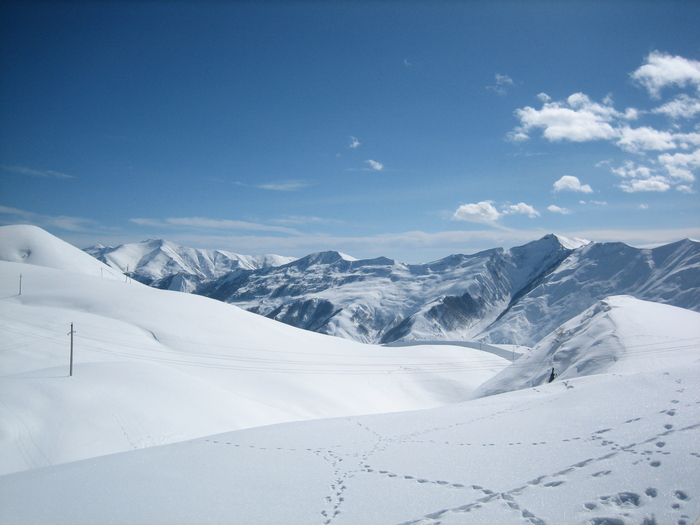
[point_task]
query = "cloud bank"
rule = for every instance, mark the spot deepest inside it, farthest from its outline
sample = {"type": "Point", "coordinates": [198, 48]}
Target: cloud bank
{"type": "Point", "coordinates": [665, 157]}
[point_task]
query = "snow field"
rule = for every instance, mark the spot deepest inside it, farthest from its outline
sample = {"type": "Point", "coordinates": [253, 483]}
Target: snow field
{"type": "Point", "coordinates": [621, 448]}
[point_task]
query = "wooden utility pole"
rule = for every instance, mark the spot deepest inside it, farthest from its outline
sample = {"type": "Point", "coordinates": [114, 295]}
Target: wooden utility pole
{"type": "Point", "coordinates": [71, 348]}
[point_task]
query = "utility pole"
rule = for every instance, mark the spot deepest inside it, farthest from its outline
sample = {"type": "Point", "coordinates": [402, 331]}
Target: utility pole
{"type": "Point", "coordinates": [20, 284]}
{"type": "Point", "coordinates": [71, 348]}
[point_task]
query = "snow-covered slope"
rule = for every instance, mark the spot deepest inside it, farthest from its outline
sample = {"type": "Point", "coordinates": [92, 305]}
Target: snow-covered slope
{"type": "Point", "coordinates": [514, 296]}
{"type": "Point", "coordinates": [619, 334]}
{"type": "Point", "coordinates": [599, 450]}
{"type": "Point", "coordinates": [31, 245]}
{"type": "Point", "coordinates": [170, 266]}
{"type": "Point", "coordinates": [154, 366]}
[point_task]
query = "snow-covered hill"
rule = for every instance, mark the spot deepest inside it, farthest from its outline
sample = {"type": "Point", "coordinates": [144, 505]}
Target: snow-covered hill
{"type": "Point", "coordinates": [155, 366]}
{"type": "Point", "coordinates": [513, 296]}
{"type": "Point", "coordinates": [170, 266]}
{"type": "Point", "coordinates": [31, 245]}
{"type": "Point", "coordinates": [619, 334]}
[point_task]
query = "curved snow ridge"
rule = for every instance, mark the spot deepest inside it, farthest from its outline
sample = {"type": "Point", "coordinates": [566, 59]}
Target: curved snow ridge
{"type": "Point", "coordinates": [619, 334]}
{"type": "Point", "coordinates": [23, 243]}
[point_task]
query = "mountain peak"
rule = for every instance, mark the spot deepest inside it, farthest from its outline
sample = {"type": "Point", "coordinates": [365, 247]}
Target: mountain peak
{"type": "Point", "coordinates": [571, 243]}
{"type": "Point", "coordinates": [327, 257]}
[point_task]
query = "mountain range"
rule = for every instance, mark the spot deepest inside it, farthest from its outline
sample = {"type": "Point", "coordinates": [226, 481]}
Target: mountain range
{"type": "Point", "coordinates": [512, 296]}
{"type": "Point", "coordinates": [169, 266]}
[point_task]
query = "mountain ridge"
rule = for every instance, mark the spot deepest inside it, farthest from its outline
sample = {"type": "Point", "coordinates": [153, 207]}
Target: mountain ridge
{"type": "Point", "coordinates": [169, 266]}
{"type": "Point", "coordinates": [514, 296]}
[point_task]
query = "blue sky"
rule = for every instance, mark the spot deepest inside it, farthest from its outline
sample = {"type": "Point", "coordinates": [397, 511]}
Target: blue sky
{"type": "Point", "coordinates": [407, 129]}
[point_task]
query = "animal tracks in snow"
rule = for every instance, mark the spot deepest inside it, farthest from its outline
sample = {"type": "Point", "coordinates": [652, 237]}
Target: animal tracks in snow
{"type": "Point", "coordinates": [384, 458]}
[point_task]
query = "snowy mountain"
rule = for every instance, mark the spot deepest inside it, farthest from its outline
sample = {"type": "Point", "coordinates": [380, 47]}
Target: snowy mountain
{"type": "Point", "coordinates": [174, 399]}
{"type": "Point", "coordinates": [170, 266]}
{"type": "Point", "coordinates": [668, 274]}
{"type": "Point", "coordinates": [514, 296]}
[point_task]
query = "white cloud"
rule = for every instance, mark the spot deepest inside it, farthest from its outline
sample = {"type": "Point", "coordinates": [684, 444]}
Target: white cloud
{"type": "Point", "coordinates": [503, 79]}
{"type": "Point", "coordinates": [645, 138]}
{"type": "Point", "coordinates": [501, 82]}
{"type": "Point", "coordinates": [682, 106]}
{"type": "Point", "coordinates": [653, 184]}
{"type": "Point", "coordinates": [148, 222]}
{"type": "Point", "coordinates": [643, 206]}
{"type": "Point", "coordinates": [288, 185]}
{"type": "Point", "coordinates": [662, 70]}
{"type": "Point", "coordinates": [679, 165]}
{"type": "Point", "coordinates": [522, 209]}
{"type": "Point", "coordinates": [63, 222]}
{"type": "Point", "coordinates": [556, 209]}
{"type": "Point", "coordinates": [479, 212]}
{"type": "Point", "coordinates": [212, 224]}
{"type": "Point", "coordinates": [300, 219]}
{"type": "Point", "coordinates": [377, 166]}
{"type": "Point", "coordinates": [37, 173]}
{"type": "Point", "coordinates": [577, 119]}
{"type": "Point", "coordinates": [683, 188]}
{"type": "Point", "coordinates": [630, 170]}
{"type": "Point", "coordinates": [640, 178]}
{"type": "Point", "coordinates": [571, 183]}
{"type": "Point", "coordinates": [354, 142]}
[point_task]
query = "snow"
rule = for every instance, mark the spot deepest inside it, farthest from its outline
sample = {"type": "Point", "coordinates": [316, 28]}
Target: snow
{"type": "Point", "coordinates": [153, 367]}
{"type": "Point", "coordinates": [31, 245]}
{"type": "Point", "coordinates": [183, 409]}
{"type": "Point", "coordinates": [515, 296]}
{"type": "Point", "coordinates": [154, 261]}
{"type": "Point", "coordinates": [621, 448]}
{"type": "Point", "coordinates": [619, 334]}
{"type": "Point", "coordinates": [572, 243]}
